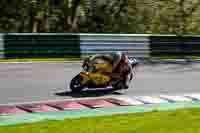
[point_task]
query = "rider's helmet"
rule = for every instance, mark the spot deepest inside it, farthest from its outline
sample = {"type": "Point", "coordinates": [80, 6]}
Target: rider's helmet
{"type": "Point", "coordinates": [124, 56]}
{"type": "Point", "coordinates": [116, 55]}
{"type": "Point", "coordinates": [120, 55]}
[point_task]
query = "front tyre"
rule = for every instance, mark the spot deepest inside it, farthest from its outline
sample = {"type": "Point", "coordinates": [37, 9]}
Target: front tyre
{"type": "Point", "coordinates": [75, 84]}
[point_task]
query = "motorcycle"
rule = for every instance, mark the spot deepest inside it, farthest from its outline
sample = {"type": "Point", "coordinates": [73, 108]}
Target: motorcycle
{"type": "Point", "coordinates": [98, 75]}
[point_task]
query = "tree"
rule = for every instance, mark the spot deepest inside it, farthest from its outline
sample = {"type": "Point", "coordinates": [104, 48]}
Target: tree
{"type": "Point", "coordinates": [174, 16]}
{"type": "Point", "coordinates": [101, 16]}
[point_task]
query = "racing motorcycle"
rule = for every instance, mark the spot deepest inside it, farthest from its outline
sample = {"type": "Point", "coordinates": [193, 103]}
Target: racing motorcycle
{"type": "Point", "coordinates": [98, 75]}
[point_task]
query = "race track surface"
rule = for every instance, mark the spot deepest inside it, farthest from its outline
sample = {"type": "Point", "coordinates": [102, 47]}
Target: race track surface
{"type": "Point", "coordinates": [30, 82]}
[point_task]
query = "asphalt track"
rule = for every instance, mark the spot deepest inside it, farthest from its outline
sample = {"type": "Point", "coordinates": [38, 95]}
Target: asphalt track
{"type": "Point", "coordinates": [31, 82]}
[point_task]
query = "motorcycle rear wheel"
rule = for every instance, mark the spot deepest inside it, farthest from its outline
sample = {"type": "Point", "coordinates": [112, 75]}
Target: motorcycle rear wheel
{"type": "Point", "coordinates": [75, 84]}
{"type": "Point", "coordinates": [119, 85]}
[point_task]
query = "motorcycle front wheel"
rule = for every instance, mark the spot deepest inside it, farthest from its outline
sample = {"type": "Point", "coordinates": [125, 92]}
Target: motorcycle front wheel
{"type": "Point", "coordinates": [75, 84]}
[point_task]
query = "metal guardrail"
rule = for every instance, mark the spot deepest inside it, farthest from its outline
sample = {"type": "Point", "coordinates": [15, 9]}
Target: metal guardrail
{"type": "Point", "coordinates": [1, 46]}
{"type": "Point", "coordinates": [135, 45]}
{"type": "Point", "coordinates": [34, 45]}
{"type": "Point", "coordinates": [175, 45]}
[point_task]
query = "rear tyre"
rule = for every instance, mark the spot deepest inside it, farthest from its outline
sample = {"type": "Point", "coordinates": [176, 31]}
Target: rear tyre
{"type": "Point", "coordinates": [75, 84]}
{"type": "Point", "coordinates": [119, 85]}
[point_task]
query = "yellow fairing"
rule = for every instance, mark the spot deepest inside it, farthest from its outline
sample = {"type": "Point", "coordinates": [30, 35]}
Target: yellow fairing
{"type": "Point", "coordinates": [103, 67]}
{"type": "Point", "coordinates": [97, 77]}
{"type": "Point", "coordinates": [85, 76]}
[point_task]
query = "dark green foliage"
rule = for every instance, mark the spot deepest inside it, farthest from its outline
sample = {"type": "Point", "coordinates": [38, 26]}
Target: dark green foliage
{"type": "Point", "coordinates": [97, 16]}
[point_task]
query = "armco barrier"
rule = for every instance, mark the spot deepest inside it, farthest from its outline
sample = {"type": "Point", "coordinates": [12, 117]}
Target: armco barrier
{"type": "Point", "coordinates": [36, 45]}
{"type": "Point", "coordinates": [1, 47]}
{"type": "Point", "coordinates": [33, 45]}
{"type": "Point", "coordinates": [135, 45]}
{"type": "Point", "coordinates": [171, 45]}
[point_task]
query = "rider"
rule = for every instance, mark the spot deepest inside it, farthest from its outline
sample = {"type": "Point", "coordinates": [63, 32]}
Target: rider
{"type": "Point", "coordinates": [115, 58]}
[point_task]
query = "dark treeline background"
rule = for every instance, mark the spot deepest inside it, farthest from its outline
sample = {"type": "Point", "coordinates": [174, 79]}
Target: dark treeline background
{"type": "Point", "coordinates": [107, 16]}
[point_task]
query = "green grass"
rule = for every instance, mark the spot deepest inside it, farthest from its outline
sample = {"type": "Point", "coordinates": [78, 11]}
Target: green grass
{"type": "Point", "coordinates": [39, 59]}
{"type": "Point", "coordinates": [174, 57]}
{"type": "Point", "coordinates": [179, 121]}
{"type": "Point", "coordinates": [78, 59]}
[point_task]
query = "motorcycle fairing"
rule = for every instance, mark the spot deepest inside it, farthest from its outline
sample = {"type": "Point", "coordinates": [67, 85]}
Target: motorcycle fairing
{"type": "Point", "coordinates": [97, 78]}
{"type": "Point", "coordinates": [85, 77]}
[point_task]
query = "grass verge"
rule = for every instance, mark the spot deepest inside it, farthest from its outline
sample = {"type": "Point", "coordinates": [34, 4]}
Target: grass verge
{"type": "Point", "coordinates": [78, 59]}
{"type": "Point", "coordinates": [178, 121]}
{"type": "Point", "coordinates": [175, 57]}
{"type": "Point", "coordinates": [39, 59]}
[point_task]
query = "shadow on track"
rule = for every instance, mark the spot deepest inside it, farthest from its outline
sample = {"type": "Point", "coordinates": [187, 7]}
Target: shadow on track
{"type": "Point", "coordinates": [90, 93]}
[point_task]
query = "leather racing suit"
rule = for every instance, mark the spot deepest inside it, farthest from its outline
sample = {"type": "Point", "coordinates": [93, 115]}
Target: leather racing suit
{"type": "Point", "coordinates": [116, 59]}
